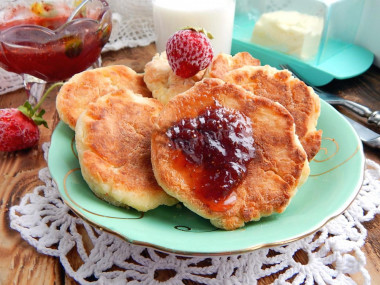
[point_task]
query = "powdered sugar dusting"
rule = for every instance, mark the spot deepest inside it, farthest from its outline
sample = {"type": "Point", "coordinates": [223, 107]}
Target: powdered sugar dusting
{"type": "Point", "coordinates": [188, 52]}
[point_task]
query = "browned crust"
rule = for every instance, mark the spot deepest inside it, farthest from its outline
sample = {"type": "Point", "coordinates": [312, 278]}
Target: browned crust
{"type": "Point", "coordinates": [280, 86]}
{"type": "Point", "coordinates": [88, 86]}
{"type": "Point", "coordinates": [113, 143]}
{"type": "Point", "coordinates": [164, 84]}
{"type": "Point", "coordinates": [279, 167]}
{"type": "Point", "coordinates": [224, 63]}
{"type": "Point", "coordinates": [162, 81]}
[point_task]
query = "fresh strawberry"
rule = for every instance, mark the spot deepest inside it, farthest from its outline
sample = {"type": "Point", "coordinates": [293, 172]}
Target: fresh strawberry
{"type": "Point", "coordinates": [19, 127]}
{"type": "Point", "coordinates": [17, 131]}
{"type": "Point", "coordinates": [189, 51]}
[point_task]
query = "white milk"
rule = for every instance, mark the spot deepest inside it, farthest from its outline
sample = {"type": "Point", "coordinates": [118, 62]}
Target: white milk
{"type": "Point", "coordinates": [216, 16]}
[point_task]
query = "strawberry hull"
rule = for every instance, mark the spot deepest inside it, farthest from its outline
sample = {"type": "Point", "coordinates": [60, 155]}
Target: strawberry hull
{"type": "Point", "coordinates": [17, 131]}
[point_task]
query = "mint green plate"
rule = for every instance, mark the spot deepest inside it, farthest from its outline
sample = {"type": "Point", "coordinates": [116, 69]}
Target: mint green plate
{"type": "Point", "coordinates": [336, 177]}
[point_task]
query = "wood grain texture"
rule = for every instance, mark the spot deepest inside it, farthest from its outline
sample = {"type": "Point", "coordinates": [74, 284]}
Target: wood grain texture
{"type": "Point", "coordinates": [21, 264]}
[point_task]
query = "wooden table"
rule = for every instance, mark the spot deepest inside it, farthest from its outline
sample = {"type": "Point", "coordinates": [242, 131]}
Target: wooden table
{"type": "Point", "coordinates": [20, 263]}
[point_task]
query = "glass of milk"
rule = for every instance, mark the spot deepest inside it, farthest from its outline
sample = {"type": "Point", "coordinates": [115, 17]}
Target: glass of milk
{"type": "Point", "coordinates": [216, 16]}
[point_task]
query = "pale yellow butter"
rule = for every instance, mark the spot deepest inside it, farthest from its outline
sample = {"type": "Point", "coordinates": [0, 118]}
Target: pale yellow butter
{"type": "Point", "coordinates": [290, 32]}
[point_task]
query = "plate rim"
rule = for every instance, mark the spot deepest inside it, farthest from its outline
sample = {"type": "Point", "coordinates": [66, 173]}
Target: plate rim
{"type": "Point", "coordinates": [187, 253]}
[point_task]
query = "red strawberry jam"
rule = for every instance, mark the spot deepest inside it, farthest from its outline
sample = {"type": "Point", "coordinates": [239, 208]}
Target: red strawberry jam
{"type": "Point", "coordinates": [215, 149]}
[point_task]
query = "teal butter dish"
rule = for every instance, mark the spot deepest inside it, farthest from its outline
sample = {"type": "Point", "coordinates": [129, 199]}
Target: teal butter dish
{"type": "Point", "coordinates": [315, 37]}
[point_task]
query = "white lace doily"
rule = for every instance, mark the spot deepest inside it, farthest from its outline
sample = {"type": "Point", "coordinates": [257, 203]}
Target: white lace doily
{"type": "Point", "coordinates": [48, 224]}
{"type": "Point", "coordinates": [132, 26]}
{"type": "Point", "coordinates": [333, 252]}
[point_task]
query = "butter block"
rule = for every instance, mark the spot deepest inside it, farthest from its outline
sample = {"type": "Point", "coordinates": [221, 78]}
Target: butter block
{"type": "Point", "coordinates": [290, 32]}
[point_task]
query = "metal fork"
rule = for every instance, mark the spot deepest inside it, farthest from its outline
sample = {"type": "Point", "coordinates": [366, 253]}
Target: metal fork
{"type": "Point", "coordinates": [373, 117]}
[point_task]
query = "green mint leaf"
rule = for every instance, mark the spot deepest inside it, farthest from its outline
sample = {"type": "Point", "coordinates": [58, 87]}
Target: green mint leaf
{"type": "Point", "coordinates": [73, 46]}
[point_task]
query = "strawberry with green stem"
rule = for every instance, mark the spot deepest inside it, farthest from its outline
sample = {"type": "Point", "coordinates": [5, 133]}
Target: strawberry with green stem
{"type": "Point", "coordinates": [19, 126]}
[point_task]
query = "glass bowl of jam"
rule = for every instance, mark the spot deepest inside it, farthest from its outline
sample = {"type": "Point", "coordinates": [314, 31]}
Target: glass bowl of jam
{"type": "Point", "coordinates": [41, 42]}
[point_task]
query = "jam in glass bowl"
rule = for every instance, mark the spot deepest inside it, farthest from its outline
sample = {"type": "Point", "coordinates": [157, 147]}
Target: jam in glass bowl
{"type": "Point", "coordinates": [38, 42]}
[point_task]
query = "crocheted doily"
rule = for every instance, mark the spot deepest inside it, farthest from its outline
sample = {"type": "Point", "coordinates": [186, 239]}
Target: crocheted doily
{"type": "Point", "coordinates": [49, 225]}
{"type": "Point", "coordinates": [333, 252]}
{"type": "Point", "coordinates": [132, 26]}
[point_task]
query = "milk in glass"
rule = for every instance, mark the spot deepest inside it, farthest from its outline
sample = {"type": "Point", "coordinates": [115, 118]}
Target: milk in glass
{"type": "Point", "coordinates": [216, 16]}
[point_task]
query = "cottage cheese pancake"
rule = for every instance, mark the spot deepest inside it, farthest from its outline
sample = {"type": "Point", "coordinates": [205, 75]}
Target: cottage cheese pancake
{"type": "Point", "coordinates": [224, 63]}
{"type": "Point", "coordinates": [164, 84]}
{"type": "Point", "coordinates": [113, 141]}
{"type": "Point", "coordinates": [88, 86]}
{"type": "Point", "coordinates": [228, 155]}
{"type": "Point", "coordinates": [280, 86]}
{"type": "Point", "coordinates": [161, 80]}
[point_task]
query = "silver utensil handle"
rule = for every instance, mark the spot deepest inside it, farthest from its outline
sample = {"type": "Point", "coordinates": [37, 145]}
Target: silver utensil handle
{"type": "Point", "coordinates": [373, 117]}
{"type": "Point", "coordinates": [357, 108]}
{"type": "Point", "coordinates": [367, 136]}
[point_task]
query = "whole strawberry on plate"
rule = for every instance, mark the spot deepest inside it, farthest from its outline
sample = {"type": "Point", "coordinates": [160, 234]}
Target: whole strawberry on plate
{"type": "Point", "coordinates": [19, 126]}
{"type": "Point", "coordinates": [189, 51]}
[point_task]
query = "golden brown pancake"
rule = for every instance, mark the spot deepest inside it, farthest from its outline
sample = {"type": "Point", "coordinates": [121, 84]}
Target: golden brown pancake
{"type": "Point", "coordinates": [224, 63]}
{"type": "Point", "coordinates": [279, 165]}
{"type": "Point", "coordinates": [113, 142]}
{"type": "Point", "coordinates": [88, 86]}
{"type": "Point", "coordinates": [280, 86]}
{"type": "Point", "coordinates": [164, 84]}
{"type": "Point", "coordinates": [162, 81]}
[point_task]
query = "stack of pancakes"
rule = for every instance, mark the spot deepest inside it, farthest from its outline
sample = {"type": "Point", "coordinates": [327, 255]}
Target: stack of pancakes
{"type": "Point", "coordinates": [121, 120]}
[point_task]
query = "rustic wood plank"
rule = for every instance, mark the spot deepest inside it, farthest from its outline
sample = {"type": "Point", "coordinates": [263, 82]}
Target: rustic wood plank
{"type": "Point", "coordinates": [365, 89]}
{"type": "Point", "coordinates": [20, 263]}
{"type": "Point", "coordinates": [372, 249]}
{"type": "Point", "coordinates": [134, 58]}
